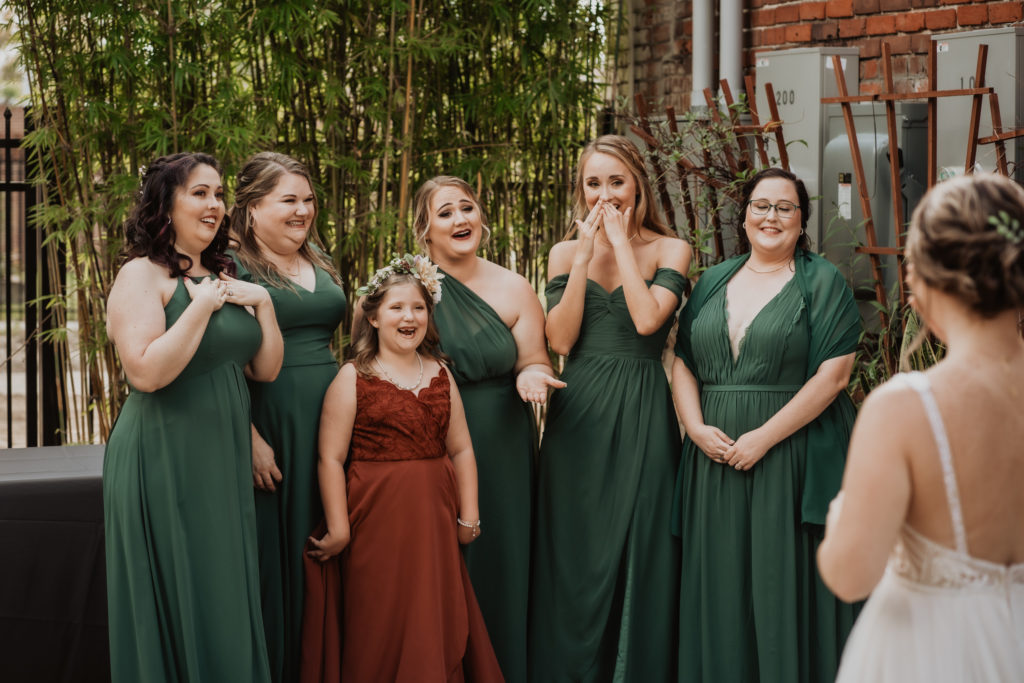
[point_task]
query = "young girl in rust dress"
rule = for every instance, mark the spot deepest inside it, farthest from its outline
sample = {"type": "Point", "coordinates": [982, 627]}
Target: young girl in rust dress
{"type": "Point", "coordinates": [408, 497]}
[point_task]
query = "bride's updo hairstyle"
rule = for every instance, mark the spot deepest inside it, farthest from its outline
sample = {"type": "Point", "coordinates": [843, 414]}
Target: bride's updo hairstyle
{"type": "Point", "coordinates": [967, 240]}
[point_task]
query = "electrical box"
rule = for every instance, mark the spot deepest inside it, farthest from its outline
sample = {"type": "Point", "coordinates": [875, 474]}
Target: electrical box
{"type": "Point", "coordinates": [841, 215]}
{"type": "Point", "coordinates": [801, 77]}
{"type": "Point", "coordinates": [956, 65]}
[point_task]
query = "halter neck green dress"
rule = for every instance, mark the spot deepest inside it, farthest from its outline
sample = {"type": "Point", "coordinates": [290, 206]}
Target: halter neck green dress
{"type": "Point", "coordinates": [183, 588]}
{"type": "Point", "coordinates": [501, 425]}
{"type": "Point", "coordinates": [604, 601]}
{"type": "Point", "coordinates": [286, 413]}
{"type": "Point", "coordinates": [752, 605]}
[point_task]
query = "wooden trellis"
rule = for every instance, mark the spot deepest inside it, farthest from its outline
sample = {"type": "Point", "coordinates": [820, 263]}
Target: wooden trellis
{"type": "Point", "coordinates": [889, 96]}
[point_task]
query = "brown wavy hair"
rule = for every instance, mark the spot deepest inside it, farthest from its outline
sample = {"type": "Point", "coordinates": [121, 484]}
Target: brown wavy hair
{"type": "Point", "coordinates": [258, 178]}
{"type": "Point", "coordinates": [804, 200]}
{"type": "Point", "coordinates": [365, 341]}
{"type": "Point", "coordinates": [956, 249]}
{"type": "Point", "coordinates": [421, 208]}
{"type": "Point", "coordinates": [149, 232]}
{"type": "Point", "coordinates": [645, 212]}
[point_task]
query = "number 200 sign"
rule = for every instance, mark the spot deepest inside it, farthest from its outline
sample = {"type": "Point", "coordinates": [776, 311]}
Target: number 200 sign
{"type": "Point", "coordinates": [785, 97]}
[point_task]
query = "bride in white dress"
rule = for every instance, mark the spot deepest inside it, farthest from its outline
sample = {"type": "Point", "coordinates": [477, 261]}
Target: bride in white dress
{"type": "Point", "coordinates": [930, 519]}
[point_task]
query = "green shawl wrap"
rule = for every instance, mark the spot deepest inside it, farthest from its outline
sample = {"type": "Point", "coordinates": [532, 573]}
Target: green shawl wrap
{"type": "Point", "coordinates": [834, 330]}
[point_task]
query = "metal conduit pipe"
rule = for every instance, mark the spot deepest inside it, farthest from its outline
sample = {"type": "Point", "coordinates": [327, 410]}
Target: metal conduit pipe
{"type": "Point", "coordinates": [730, 44]}
{"type": "Point", "coordinates": [703, 40]}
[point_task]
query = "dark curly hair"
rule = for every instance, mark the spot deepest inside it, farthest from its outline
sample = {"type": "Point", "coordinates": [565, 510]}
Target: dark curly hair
{"type": "Point", "coordinates": [148, 230]}
{"type": "Point", "coordinates": [955, 247]}
{"type": "Point", "coordinates": [804, 199]}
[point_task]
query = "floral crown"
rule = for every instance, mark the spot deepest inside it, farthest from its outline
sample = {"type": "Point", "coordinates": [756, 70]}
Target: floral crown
{"type": "Point", "coordinates": [418, 266]}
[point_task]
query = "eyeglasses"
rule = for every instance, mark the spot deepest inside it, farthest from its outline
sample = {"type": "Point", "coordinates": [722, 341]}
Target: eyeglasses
{"type": "Point", "coordinates": [783, 209]}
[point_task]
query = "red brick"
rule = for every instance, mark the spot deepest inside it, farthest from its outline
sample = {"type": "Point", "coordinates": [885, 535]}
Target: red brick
{"type": "Point", "coordinates": [953, 2]}
{"type": "Point", "coordinates": [762, 17]}
{"type": "Point", "coordinates": [868, 69]}
{"type": "Point", "coordinates": [894, 5]}
{"type": "Point", "coordinates": [918, 65]}
{"type": "Point", "coordinates": [661, 33]}
{"type": "Point", "coordinates": [869, 47]}
{"type": "Point", "coordinates": [787, 14]}
{"type": "Point", "coordinates": [800, 33]}
{"type": "Point", "coordinates": [822, 31]}
{"type": "Point", "coordinates": [971, 15]}
{"type": "Point", "coordinates": [880, 25]}
{"type": "Point", "coordinates": [774, 36]}
{"type": "Point", "coordinates": [865, 6]}
{"type": "Point", "coordinates": [681, 26]}
{"type": "Point", "coordinates": [851, 28]}
{"type": "Point", "coordinates": [839, 8]}
{"type": "Point", "coordinates": [1005, 12]}
{"type": "Point", "coordinates": [899, 66]}
{"type": "Point", "coordinates": [920, 43]}
{"type": "Point", "coordinates": [812, 10]}
{"type": "Point", "coordinates": [910, 22]}
{"type": "Point", "coordinates": [940, 19]}
{"type": "Point", "coordinates": [870, 87]}
{"type": "Point", "coordinates": [898, 45]}
{"type": "Point", "coordinates": [660, 50]}
{"type": "Point", "coordinates": [923, 4]}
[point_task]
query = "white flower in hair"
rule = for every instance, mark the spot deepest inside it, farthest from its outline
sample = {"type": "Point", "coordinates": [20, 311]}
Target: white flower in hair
{"type": "Point", "coordinates": [418, 266]}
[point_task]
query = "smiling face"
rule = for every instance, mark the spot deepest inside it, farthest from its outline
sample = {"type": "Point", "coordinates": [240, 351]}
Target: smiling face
{"type": "Point", "coordinates": [772, 236]}
{"type": "Point", "coordinates": [455, 225]}
{"type": "Point", "coordinates": [606, 178]}
{"type": "Point", "coordinates": [401, 318]}
{"type": "Point", "coordinates": [282, 218]}
{"type": "Point", "coordinates": [198, 210]}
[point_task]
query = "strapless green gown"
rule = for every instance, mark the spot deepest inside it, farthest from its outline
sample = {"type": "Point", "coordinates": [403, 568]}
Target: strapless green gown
{"type": "Point", "coordinates": [182, 576]}
{"type": "Point", "coordinates": [502, 428]}
{"type": "Point", "coordinates": [286, 412]}
{"type": "Point", "coordinates": [604, 596]}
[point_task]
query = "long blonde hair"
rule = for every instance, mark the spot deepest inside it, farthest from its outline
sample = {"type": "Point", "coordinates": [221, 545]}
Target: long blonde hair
{"type": "Point", "coordinates": [645, 213]}
{"type": "Point", "coordinates": [258, 178]}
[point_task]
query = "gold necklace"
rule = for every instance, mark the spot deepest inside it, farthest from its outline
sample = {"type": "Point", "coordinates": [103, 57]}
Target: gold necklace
{"type": "Point", "coordinates": [765, 272]}
{"type": "Point", "coordinates": [391, 379]}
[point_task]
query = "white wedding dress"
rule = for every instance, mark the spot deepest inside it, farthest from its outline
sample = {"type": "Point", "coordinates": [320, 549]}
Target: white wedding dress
{"type": "Point", "coordinates": [939, 614]}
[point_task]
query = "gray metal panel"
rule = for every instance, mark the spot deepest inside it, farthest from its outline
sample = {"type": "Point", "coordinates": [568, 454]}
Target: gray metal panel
{"type": "Point", "coordinates": [957, 58]}
{"type": "Point", "coordinates": [844, 230]}
{"type": "Point", "coordinates": [801, 77]}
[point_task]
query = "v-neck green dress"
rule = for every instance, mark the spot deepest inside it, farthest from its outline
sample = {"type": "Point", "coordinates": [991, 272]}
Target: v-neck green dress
{"type": "Point", "coordinates": [752, 605]}
{"type": "Point", "coordinates": [604, 601]}
{"type": "Point", "coordinates": [182, 577]}
{"type": "Point", "coordinates": [286, 412]}
{"type": "Point", "coordinates": [501, 425]}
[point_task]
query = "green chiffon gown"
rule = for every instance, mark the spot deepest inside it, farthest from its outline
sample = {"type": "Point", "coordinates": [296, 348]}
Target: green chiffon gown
{"type": "Point", "coordinates": [501, 426]}
{"type": "Point", "coordinates": [752, 605]}
{"type": "Point", "coordinates": [286, 412]}
{"type": "Point", "coordinates": [182, 575]}
{"type": "Point", "coordinates": [604, 601]}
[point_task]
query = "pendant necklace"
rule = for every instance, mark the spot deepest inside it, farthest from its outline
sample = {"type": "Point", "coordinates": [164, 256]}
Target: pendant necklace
{"type": "Point", "coordinates": [387, 375]}
{"type": "Point", "coordinates": [771, 270]}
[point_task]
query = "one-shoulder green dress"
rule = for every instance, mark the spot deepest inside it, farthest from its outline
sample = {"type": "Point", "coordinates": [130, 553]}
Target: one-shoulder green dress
{"type": "Point", "coordinates": [286, 412]}
{"type": "Point", "coordinates": [501, 425]}
{"type": "Point", "coordinates": [752, 605]}
{"type": "Point", "coordinates": [182, 575]}
{"type": "Point", "coordinates": [604, 599]}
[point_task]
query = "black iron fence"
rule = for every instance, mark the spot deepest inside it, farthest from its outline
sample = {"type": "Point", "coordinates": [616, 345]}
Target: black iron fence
{"type": "Point", "coordinates": [30, 382]}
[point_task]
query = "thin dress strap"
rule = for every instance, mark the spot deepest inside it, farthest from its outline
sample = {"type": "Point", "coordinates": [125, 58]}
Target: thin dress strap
{"type": "Point", "coordinates": [919, 382]}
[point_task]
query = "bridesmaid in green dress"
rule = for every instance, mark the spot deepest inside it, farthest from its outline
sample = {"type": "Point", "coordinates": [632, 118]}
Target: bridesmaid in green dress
{"type": "Point", "coordinates": [182, 575]}
{"type": "Point", "coordinates": [274, 210]}
{"type": "Point", "coordinates": [765, 349]}
{"type": "Point", "coordinates": [603, 600]}
{"type": "Point", "coordinates": [492, 327]}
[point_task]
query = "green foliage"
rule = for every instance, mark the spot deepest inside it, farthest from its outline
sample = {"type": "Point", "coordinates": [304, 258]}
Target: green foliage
{"type": "Point", "coordinates": [373, 95]}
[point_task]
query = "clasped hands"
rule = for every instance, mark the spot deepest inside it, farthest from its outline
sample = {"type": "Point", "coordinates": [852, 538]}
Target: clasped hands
{"type": "Point", "coordinates": [742, 453]}
{"type": "Point", "coordinates": [226, 289]}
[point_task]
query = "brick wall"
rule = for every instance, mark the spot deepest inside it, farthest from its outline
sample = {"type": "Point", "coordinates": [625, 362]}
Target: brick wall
{"type": "Point", "coordinates": [662, 40]}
